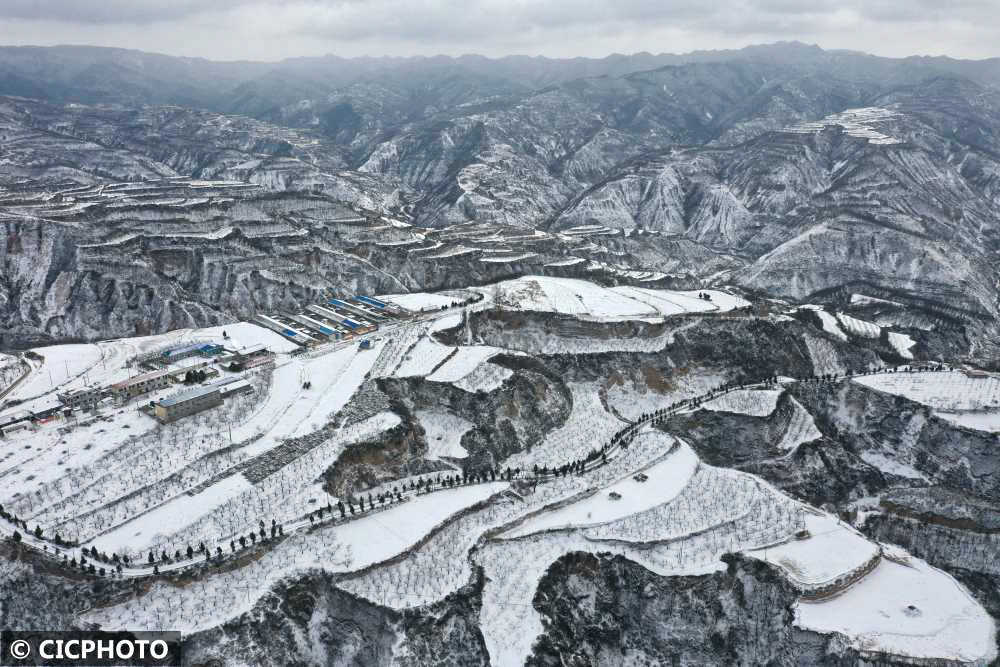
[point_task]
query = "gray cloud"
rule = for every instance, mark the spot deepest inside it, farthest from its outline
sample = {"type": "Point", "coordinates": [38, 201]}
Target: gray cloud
{"type": "Point", "coordinates": [268, 29]}
{"type": "Point", "coordinates": [110, 11]}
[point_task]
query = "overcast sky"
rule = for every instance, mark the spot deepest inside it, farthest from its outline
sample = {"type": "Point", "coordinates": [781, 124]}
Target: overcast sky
{"type": "Point", "coordinates": [275, 29]}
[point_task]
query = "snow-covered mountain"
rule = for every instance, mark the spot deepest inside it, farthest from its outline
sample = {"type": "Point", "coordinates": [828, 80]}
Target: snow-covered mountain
{"type": "Point", "coordinates": [784, 168]}
{"type": "Point", "coordinates": [700, 363]}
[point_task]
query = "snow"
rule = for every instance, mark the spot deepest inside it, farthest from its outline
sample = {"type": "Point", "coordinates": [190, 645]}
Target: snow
{"type": "Point", "coordinates": [31, 459]}
{"type": "Point", "coordinates": [486, 377]}
{"type": "Point", "coordinates": [443, 432]}
{"type": "Point", "coordinates": [454, 251]}
{"type": "Point", "coordinates": [832, 550]}
{"type": "Point", "coordinates": [567, 262]}
{"type": "Point", "coordinates": [499, 259]}
{"type": "Point", "coordinates": [423, 358]}
{"type": "Point", "coordinates": [150, 528]}
{"type": "Point", "coordinates": [979, 421]}
{"type": "Point", "coordinates": [665, 303]}
{"type": "Point", "coordinates": [570, 296]}
{"type": "Point", "coordinates": [723, 301]}
{"type": "Point", "coordinates": [864, 300]}
{"type": "Point", "coordinates": [859, 122]}
{"type": "Point", "coordinates": [245, 334]}
{"type": "Point", "coordinates": [752, 402]}
{"type": "Point", "coordinates": [666, 479]}
{"type": "Point", "coordinates": [588, 425]}
{"type": "Point", "coordinates": [718, 511]}
{"type": "Point", "coordinates": [290, 410]}
{"type": "Point", "coordinates": [421, 300]}
{"type": "Point", "coordinates": [465, 360]}
{"type": "Point", "coordinates": [399, 527]}
{"type": "Point", "coordinates": [946, 390]}
{"type": "Point", "coordinates": [61, 364]}
{"type": "Point", "coordinates": [830, 324]}
{"type": "Point", "coordinates": [801, 428]}
{"type": "Point", "coordinates": [902, 344]}
{"type": "Point", "coordinates": [567, 296]}
{"type": "Point", "coordinates": [447, 322]}
{"type": "Point", "coordinates": [823, 355]}
{"type": "Point", "coordinates": [630, 399]}
{"type": "Point", "coordinates": [211, 600]}
{"type": "Point", "coordinates": [886, 463]}
{"type": "Point", "coordinates": [911, 610]}
{"type": "Point", "coordinates": [859, 327]}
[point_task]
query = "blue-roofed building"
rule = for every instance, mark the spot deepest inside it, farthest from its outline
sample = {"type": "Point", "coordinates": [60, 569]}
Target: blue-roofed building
{"type": "Point", "coordinates": [182, 352]}
{"type": "Point", "coordinates": [371, 301]}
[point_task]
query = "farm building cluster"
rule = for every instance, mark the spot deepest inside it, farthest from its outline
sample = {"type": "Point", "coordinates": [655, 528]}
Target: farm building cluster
{"type": "Point", "coordinates": [205, 373]}
{"type": "Point", "coordinates": [334, 320]}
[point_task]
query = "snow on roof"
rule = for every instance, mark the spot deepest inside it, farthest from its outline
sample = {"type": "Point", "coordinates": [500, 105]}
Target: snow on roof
{"type": "Point", "coordinates": [188, 395]}
{"type": "Point", "coordinates": [233, 385]}
{"type": "Point", "coordinates": [137, 379]}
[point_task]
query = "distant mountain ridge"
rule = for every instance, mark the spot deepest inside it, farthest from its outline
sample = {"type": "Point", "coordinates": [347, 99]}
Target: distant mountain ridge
{"type": "Point", "coordinates": [88, 74]}
{"type": "Point", "coordinates": [783, 168]}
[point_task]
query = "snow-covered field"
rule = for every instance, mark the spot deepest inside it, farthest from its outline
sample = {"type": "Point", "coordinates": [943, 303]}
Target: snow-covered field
{"type": "Point", "coordinates": [631, 399]}
{"type": "Point", "coordinates": [980, 421]}
{"type": "Point", "coordinates": [353, 546]}
{"type": "Point", "coordinates": [823, 355]}
{"type": "Point", "coordinates": [830, 325]}
{"type": "Point", "coordinates": [861, 123]}
{"type": "Point", "coordinates": [752, 402]}
{"type": "Point", "coordinates": [62, 363]}
{"type": "Point", "coordinates": [666, 479]}
{"type": "Point", "coordinates": [485, 377]}
{"type": "Point", "coordinates": [902, 343]}
{"type": "Point", "coordinates": [421, 301]}
{"type": "Point", "coordinates": [443, 432]}
{"type": "Point", "coordinates": [423, 358]}
{"type": "Point", "coordinates": [588, 425]}
{"type": "Point", "coordinates": [171, 517]}
{"type": "Point", "coordinates": [946, 391]}
{"type": "Point", "coordinates": [832, 550]}
{"type": "Point", "coordinates": [569, 296]}
{"type": "Point", "coordinates": [909, 609]}
{"type": "Point", "coordinates": [801, 428]}
{"type": "Point", "coordinates": [684, 533]}
{"type": "Point", "coordinates": [465, 360]}
{"type": "Point", "coordinates": [858, 327]}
